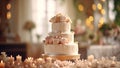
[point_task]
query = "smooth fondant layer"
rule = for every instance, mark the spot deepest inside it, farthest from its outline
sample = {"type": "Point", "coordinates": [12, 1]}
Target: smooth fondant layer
{"type": "Point", "coordinates": [61, 27]}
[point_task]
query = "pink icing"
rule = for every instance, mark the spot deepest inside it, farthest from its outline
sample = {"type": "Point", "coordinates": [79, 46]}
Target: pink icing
{"type": "Point", "coordinates": [56, 40]}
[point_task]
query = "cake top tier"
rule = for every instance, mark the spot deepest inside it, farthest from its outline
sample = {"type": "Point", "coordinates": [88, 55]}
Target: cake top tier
{"type": "Point", "coordinates": [60, 18]}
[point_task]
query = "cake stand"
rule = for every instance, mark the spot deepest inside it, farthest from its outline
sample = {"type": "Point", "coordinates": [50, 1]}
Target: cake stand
{"type": "Point", "coordinates": [62, 57]}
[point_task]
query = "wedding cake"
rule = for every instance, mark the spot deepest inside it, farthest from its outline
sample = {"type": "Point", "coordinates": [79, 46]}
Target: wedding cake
{"type": "Point", "coordinates": [60, 41]}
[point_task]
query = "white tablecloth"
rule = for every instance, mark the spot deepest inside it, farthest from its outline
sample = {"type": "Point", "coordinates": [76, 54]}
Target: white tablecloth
{"type": "Point", "coordinates": [103, 51]}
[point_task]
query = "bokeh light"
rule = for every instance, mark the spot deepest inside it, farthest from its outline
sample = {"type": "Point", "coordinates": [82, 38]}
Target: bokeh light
{"type": "Point", "coordinates": [99, 6]}
{"type": "Point", "coordinates": [91, 18]}
{"type": "Point", "coordinates": [94, 7]}
{"type": "Point", "coordinates": [103, 12]}
{"type": "Point", "coordinates": [80, 7]}
{"type": "Point", "coordinates": [8, 15]}
{"type": "Point", "coordinates": [101, 22]}
{"type": "Point", "coordinates": [8, 6]}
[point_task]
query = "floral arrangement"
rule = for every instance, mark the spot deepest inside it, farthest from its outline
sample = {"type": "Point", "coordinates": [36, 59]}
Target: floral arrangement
{"type": "Point", "coordinates": [29, 25]}
{"type": "Point", "coordinates": [56, 40]}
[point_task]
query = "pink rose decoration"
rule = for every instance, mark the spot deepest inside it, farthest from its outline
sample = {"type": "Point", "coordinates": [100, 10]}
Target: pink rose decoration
{"type": "Point", "coordinates": [49, 40]}
{"type": "Point", "coordinates": [56, 41]}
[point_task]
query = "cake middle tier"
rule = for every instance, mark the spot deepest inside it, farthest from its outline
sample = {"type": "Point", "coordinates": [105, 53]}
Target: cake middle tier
{"type": "Point", "coordinates": [60, 38]}
{"type": "Point", "coordinates": [61, 27]}
{"type": "Point", "coordinates": [68, 49]}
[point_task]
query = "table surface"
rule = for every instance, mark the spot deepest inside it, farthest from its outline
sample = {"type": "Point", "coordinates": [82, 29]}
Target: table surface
{"type": "Point", "coordinates": [103, 51]}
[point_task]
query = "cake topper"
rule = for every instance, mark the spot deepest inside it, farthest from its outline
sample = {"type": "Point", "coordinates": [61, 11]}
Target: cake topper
{"type": "Point", "coordinates": [60, 18]}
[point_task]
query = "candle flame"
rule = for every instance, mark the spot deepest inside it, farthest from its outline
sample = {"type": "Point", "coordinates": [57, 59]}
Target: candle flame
{"type": "Point", "coordinates": [1, 61]}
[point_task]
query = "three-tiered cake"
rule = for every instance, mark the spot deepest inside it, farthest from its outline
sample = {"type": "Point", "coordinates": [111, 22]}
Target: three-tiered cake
{"type": "Point", "coordinates": [60, 42]}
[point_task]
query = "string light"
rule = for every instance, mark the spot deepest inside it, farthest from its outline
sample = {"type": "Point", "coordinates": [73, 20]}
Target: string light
{"type": "Point", "coordinates": [94, 7]}
{"type": "Point", "coordinates": [103, 12]}
{"type": "Point", "coordinates": [99, 6]}
{"type": "Point", "coordinates": [91, 18]}
{"type": "Point", "coordinates": [101, 22]}
{"type": "Point", "coordinates": [103, 0]}
{"type": "Point", "coordinates": [8, 15]}
{"type": "Point", "coordinates": [80, 7]}
{"type": "Point", "coordinates": [89, 23]}
{"type": "Point", "coordinates": [8, 6]}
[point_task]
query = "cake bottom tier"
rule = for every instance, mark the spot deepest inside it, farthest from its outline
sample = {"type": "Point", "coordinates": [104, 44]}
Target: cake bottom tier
{"type": "Point", "coordinates": [63, 57]}
{"type": "Point", "coordinates": [69, 49]}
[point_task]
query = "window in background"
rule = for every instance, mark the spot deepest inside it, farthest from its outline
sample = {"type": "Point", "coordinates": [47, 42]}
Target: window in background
{"type": "Point", "coordinates": [42, 10]}
{"type": "Point", "coordinates": [111, 13]}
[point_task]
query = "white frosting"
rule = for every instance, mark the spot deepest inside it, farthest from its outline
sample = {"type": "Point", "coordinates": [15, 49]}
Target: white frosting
{"type": "Point", "coordinates": [61, 27]}
{"type": "Point", "coordinates": [69, 49]}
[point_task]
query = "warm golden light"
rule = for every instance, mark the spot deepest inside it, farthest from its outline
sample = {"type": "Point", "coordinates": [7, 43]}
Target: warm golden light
{"type": "Point", "coordinates": [94, 7]}
{"type": "Point", "coordinates": [99, 6]}
{"type": "Point", "coordinates": [103, 0]}
{"type": "Point", "coordinates": [8, 6]}
{"type": "Point", "coordinates": [101, 22]}
{"type": "Point", "coordinates": [80, 7]}
{"type": "Point", "coordinates": [8, 15]}
{"type": "Point", "coordinates": [100, 25]}
{"type": "Point", "coordinates": [103, 12]}
{"type": "Point", "coordinates": [89, 23]}
{"type": "Point", "coordinates": [91, 18]}
{"type": "Point", "coordinates": [101, 19]}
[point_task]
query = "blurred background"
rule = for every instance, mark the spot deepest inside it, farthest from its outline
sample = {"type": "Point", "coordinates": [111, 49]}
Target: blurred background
{"type": "Point", "coordinates": [95, 23]}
